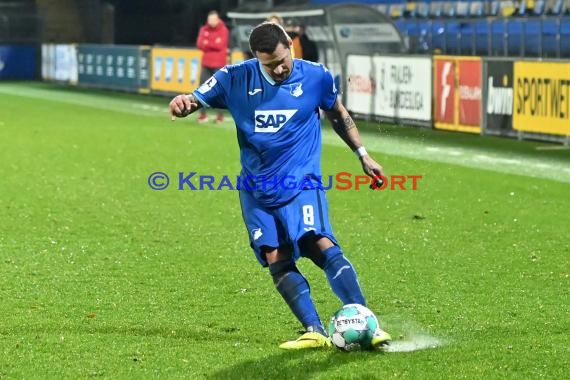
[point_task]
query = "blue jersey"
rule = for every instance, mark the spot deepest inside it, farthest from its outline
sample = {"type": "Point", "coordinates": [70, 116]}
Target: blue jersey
{"type": "Point", "coordinates": [278, 126]}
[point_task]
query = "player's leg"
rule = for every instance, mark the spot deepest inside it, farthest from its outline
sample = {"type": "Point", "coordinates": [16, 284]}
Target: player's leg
{"type": "Point", "coordinates": [293, 287]}
{"type": "Point", "coordinates": [271, 248]}
{"type": "Point", "coordinates": [340, 272]}
{"type": "Point", "coordinates": [319, 244]}
{"type": "Point", "coordinates": [312, 232]}
{"type": "Point", "coordinates": [342, 277]}
{"type": "Point", "coordinates": [295, 290]}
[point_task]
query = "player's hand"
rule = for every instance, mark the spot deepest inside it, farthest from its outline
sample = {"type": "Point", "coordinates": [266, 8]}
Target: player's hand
{"type": "Point", "coordinates": [373, 170]}
{"type": "Point", "coordinates": [182, 106]}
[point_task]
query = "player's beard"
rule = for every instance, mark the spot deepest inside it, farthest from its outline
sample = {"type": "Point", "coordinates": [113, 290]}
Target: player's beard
{"type": "Point", "coordinates": [282, 77]}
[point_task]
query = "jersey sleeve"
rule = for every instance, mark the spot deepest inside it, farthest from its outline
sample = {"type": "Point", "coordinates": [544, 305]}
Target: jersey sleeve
{"type": "Point", "coordinates": [213, 93]}
{"type": "Point", "coordinates": [328, 90]}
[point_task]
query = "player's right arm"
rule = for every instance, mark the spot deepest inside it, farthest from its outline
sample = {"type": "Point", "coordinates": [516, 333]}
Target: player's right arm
{"type": "Point", "coordinates": [344, 126]}
{"type": "Point", "coordinates": [213, 93]}
{"type": "Point", "coordinates": [183, 105]}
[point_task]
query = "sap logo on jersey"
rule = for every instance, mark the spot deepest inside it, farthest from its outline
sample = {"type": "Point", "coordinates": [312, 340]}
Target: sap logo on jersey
{"type": "Point", "coordinates": [270, 121]}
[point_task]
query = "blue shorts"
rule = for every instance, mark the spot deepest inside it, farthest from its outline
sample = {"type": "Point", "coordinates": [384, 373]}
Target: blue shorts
{"type": "Point", "coordinates": [284, 226]}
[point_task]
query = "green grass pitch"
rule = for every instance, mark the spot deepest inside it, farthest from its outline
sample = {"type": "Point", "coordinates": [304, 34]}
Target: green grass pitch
{"type": "Point", "coordinates": [100, 276]}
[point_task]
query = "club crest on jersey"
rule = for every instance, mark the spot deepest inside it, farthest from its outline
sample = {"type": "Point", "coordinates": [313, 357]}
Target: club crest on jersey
{"type": "Point", "coordinates": [296, 89]}
{"type": "Point", "coordinates": [270, 121]}
{"type": "Point", "coordinates": [256, 233]}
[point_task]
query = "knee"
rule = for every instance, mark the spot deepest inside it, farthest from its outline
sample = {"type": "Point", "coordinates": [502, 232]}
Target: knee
{"type": "Point", "coordinates": [280, 268]}
{"type": "Point", "coordinates": [326, 257]}
{"type": "Point", "coordinates": [331, 255]}
{"type": "Point", "coordinates": [273, 255]}
{"type": "Point", "coordinates": [318, 248]}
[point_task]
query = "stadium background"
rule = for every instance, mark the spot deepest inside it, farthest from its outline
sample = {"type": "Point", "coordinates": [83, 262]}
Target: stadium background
{"type": "Point", "coordinates": [494, 67]}
{"type": "Point", "coordinates": [100, 276]}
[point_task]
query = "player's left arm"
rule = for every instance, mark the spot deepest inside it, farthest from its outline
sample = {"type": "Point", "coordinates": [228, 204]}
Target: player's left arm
{"type": "Point", "coordinates": [344, 126]}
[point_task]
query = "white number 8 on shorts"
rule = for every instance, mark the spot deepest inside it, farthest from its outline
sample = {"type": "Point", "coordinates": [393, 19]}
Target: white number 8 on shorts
{"type": "Point", "coordinates": [308, 215]}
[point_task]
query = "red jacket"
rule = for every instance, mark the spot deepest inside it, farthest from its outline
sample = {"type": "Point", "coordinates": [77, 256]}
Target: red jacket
{"type": "Point", "coordinates": [214, 44]}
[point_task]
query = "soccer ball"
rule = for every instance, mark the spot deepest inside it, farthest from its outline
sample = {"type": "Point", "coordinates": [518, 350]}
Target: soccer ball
{"type": "Point", "coordinates": [352, 327]}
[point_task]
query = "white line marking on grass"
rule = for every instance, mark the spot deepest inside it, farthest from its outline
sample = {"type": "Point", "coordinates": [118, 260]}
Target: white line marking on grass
{"type": "Point", "coordinates": [553, 147]}
{"type": "Point", "coordinates": [478, 158]}
{"type": "Point", "coordinates": [95, 100]}
{"type": "Point", "coordinates": [414, 343]}
{"type": "Point", "coordinates": [450, 151]}
{"type": "Point", "coordinates": [149, 107]}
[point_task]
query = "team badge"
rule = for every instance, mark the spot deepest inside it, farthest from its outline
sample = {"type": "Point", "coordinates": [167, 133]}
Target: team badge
{"type": "Point", "coordinates": [256, 233]}
{"type": "Point", "coordinates": [296, 89]}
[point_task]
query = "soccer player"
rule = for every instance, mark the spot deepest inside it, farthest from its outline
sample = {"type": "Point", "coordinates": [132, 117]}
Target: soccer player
{"type": "Point", "coordinates": [275, 103]}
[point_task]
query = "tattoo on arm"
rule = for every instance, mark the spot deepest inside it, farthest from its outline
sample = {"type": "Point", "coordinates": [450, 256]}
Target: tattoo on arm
{"type": "Point", "coordinates": [348, 123]}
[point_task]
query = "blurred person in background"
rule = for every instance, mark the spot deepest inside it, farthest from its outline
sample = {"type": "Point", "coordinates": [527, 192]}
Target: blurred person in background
{"type": "Point", "coordinates": [275, 18]}
{"type": "Point", "coordinates": [213, 40]}
{"type": "Point", "coordinates": [310, 50]}
{"type": "Point", "coordinates": [292, 29]}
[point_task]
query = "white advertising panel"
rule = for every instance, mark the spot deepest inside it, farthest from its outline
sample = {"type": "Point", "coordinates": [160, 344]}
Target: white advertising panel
{"type": "Point", "coordinates": [48, 65]}
{"type": "Point", "coordinates": [59, 62]}
{"type": "Point", "coordinates": [392, 87]}
{"type": "Point", "coordinates": [66, 63]}
{"type": "Point", "coordinates": [368, 33]}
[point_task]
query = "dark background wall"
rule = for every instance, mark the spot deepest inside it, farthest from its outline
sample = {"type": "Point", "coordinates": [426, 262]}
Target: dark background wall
{"type": "Point", "coordinates": [152, 22]}
{"type": "Point", "coordinates": [171, 22]}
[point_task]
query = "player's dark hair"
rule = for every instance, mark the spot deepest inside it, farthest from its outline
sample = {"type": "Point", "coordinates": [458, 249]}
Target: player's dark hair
{"type": "Point", "coordinates": [265, 37]}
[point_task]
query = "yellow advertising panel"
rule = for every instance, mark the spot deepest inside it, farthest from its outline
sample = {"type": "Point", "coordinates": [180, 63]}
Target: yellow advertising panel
{"type": "Point", "coordinates": [236, 56]}
{"type": "Point", "coordinates": [542, 97]}
{"type": "Point", "coordinates": [175, 70]}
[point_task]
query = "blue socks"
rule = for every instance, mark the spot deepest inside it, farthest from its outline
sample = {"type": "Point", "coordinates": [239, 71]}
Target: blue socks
{"type": "Point", "coordinates": [342, 277]}
{"type": "Point", "coordinates": [295, 290]}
